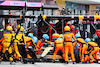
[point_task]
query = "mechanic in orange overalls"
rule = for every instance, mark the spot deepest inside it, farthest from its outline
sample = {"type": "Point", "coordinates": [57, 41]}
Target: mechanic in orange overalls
{"type": "Point", "coordinates": [58, 45]}
{"type": "Point", "coordinates": [93, 49]}
{"type": "Point", "coordinates": [83, 48]}
{"type": "Point", "coordinates": [41, 42]}
{"type": "Point", "coordinates": [68, 44]}
{"type": "Point", "coordinates": [30, 45]}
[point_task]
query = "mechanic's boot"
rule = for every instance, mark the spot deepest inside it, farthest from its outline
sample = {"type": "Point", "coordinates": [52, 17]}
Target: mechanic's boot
{"type": "Point", "coordinates": [33, 62]}
{"type": "Point", "coordinates": [21, 59]}
{"type": "Point", "coordinates": [12, 63]}
{"type": "Point", "coordinates": [66, 62]}
{"type": "Point", "coordinates": [53, 61]}
{"type": "Point", "coordinates": [0, 59]}
{"type": "Point", "coordinates": [91, 61]}
{"type": "Point", "coordinates": [85, 62]}
{"type": "Point", "coordinates": [24, 61]}
{"type": "Point", "coordinates": [81, 62]}
{"type": "Point", "coordinates": [95, 61]}
{"type": "Point", "coordinates": [88, 62]}
{"type": "Point", "coordinates": [15, 60]}
{"type": "Point", "coordinates": [74, 62]}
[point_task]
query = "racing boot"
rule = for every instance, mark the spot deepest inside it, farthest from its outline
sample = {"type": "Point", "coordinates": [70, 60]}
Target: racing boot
{"type": "Point", "coordinates": [66, 62]}
{"type": "Point", "coordinates": [95, 61]}
{"type": "Point", "coordinates": [91, 61]}
{"type": "Point", "coordinates": [12, 63]}
{"type": "Point", "coordinates": [24, 61]}
{"type": "Point", "coordinates": [0, 59]}
{"type": "Point", "coordinates": [53, 61]}
{"type": "Point", "coordinates": [74, 62]}
{"type": "Point", "coordinates": [33, 62]}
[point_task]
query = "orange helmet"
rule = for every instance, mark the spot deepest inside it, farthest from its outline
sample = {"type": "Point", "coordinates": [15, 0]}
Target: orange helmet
{"type": "Point", "coordinates": [44, 17]}
{"type": "Point", "coordinates": [9, 28]}
{"type": "Point", "coordinates": [55, 35]}
{"type": "Point", "coordinates": [66, 28]}
{"type": "Point", "coordinates": [21, 28]}
{"type": "Point", "coordinates": [61, 35]}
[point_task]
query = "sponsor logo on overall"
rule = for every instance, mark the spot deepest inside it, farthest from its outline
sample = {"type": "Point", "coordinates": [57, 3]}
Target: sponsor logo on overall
{"type": "Point", "coordinates": [68, 35]}
{"type": "Point", "coordinates": [6, 35]}
{"type": "Point", "coordinates": [13, 3]}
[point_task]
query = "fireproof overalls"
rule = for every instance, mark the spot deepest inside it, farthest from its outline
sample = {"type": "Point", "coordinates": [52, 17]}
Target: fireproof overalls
{"type": "Point", "coordinates": [59, 46]}
{"type": "Point", "coordinates": [94, 48]}
{"type": "Point", "coordinates": [30, 46]}
{"type": "Point", "coordinates": [20, 38]}
{"type": "Point", "coordinates": [68, 45]}
{"type": "Point", "coordinates": [83, 49]}
{"type": "Point", "coordinates": [7, 41]}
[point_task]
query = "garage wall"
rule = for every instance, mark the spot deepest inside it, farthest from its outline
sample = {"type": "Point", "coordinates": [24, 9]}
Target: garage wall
{"type": "Point", "coordinates": [61, 4]}
{"type": "Point", "coordinates": [91, 9]}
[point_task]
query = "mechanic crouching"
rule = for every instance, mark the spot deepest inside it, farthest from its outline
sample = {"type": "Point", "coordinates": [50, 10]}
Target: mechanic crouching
{"type": "Point", "coordinates": [93, 48]}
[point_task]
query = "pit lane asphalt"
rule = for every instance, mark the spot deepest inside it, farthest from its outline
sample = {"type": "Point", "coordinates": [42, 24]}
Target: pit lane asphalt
{"type": "Point", "coordinates": [48, 64]}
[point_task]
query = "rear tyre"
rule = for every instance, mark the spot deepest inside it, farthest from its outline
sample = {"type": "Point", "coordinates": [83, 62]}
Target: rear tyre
{"type": "Point", "coordinates": [77, 55]}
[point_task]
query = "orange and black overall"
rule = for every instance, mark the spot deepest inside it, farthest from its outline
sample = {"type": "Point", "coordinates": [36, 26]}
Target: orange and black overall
{"type": "Point", "coordinates": [83, 49]}
{"type": "Point", "coordinates": [58, 45]}
{"type": "Point", "coordinates": [30, 45]}
{"type": "Point", "coordinates": [68, 45]}
{"type": "Point", "coordinates": [93, 49]}
{"type": "Point", "coordinates": [39, 45]}
{"type": "Point", "coordinates": [7, 41]}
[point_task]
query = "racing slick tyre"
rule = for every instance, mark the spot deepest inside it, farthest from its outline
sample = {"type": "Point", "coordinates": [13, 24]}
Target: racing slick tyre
{"type": "Point", "coordinates": [24, 62]}
{"type": "Point", "coordinates": [77, 55]}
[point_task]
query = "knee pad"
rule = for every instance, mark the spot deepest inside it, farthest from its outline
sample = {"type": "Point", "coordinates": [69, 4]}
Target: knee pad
{"type": "Point", "coordinates": [10, 59]}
